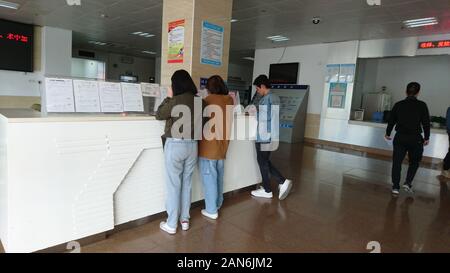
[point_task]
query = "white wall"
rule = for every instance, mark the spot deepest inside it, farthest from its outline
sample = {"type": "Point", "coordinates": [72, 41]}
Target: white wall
{"type": "Point", "coordinates": [245, 72]}
{"type": "Point", "coordinates": [57, 48]}
{"type": "Point", "coordinates": [144, 68]}
{"type": "Point", "coordinates": [312, 59]}
{"type": "Point", "coordinates": [20, 84]}
{"type": "Point", "coordinates": [91, 69]}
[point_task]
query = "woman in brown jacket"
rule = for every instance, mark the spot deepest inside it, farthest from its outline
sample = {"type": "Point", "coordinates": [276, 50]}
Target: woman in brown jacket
{"type": "Point", "coordinates": [214, 145]}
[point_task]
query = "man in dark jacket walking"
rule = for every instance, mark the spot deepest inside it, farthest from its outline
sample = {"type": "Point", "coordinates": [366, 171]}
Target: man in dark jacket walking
{"type": "Point", "coordinates": [411, 118]}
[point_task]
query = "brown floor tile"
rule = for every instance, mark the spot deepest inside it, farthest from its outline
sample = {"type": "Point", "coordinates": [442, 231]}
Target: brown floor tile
{"type": "Point", "coordinates": [339, 203]}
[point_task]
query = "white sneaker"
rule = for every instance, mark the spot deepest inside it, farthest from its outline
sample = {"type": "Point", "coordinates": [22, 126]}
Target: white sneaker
{"type": "Point", "coordinates": [185, 226]}
{"type": "Point", "coordinates": [408, 189]}
{"type": "Point", "coordinates": [209, 215]}
{"type": "Point", "coordinates": [261, 193]}
{"type": "Point", "coordinates": [395, 192]}
{"type": "Point", "coordinates": [285, 189]}
{"type": "Point", "coordinates": [165, 227]}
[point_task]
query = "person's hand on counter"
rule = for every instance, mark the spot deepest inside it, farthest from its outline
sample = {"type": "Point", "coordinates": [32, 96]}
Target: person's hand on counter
{"type": "Point", "coordinates": [426, 143]}
{"type": "Point", "coordinates": [388, 138]}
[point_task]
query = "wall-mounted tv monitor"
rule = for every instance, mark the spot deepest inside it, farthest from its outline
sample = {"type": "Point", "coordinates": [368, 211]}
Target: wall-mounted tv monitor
{"type": "Point", "coordinates": [284, 73]}
{"type": "Point", "coordinates": [16, 46]}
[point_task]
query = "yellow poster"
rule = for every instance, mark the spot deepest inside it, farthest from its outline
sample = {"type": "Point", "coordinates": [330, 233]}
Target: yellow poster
{"type": "Point", "coordinates": [176, 42]}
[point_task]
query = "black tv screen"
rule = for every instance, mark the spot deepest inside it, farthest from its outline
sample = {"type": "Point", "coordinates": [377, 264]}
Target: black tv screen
{"type": "Point", "coordinates": [284, 73]}
{"type": "Point", "coordinates": [16, 46]}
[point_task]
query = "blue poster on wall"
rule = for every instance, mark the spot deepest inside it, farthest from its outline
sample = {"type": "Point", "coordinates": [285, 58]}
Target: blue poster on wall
{"type": "Point", "coordinates": [211, 44]}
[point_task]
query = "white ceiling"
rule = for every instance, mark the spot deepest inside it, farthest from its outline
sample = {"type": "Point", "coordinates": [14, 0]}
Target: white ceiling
{"type": "Point", "coordinates": [341, 20]}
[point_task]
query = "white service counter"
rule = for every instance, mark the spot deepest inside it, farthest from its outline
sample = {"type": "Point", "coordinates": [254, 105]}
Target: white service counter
{"type": "Point", "coordinates": [371, 135]}
{"type": "Point", "coordinates": [67, 177]}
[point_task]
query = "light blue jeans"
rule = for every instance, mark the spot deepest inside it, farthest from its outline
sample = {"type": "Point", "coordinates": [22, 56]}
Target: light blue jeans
{"type": "Point", "coordinates": [180, 159]}
{"type": "Point", "coordinates": [212, 176]}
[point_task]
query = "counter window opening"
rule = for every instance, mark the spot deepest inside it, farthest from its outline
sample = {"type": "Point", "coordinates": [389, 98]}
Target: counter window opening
{"type": "Point", "coordinates": [381, 82]}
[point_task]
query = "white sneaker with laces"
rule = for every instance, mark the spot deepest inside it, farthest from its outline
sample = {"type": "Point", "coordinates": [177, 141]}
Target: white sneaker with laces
{"type": "Point", "coordinates": [408, 189]}
{"type": "Point", "coordinates": [185, 225]}
{"type": "Point", "coordinates": [165, 227]}
{"type": "Point", "coordinates": [209, 215]}
{"type": "Point", "coordinates": [261, 193]}
{"type": "Point", "coordinates": [285, 189]}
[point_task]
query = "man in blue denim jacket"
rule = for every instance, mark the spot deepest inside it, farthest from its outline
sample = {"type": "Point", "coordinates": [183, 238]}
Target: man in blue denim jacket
{"type": "Point", "coordinates": [268, 113]}
{"type": "Point", "coordinates": [446, 171]}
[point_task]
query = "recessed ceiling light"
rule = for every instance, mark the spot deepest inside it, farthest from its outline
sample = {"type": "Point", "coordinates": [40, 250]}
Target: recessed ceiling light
{"type": "Point", "coordinates": [149, 52]}
{"type": "Point", "coordinates": [249, 58]}
{"type": "Point", "coordinates": [97, 43]}
{"type": "Point", "coordinates": [9, 5]}
{"type": "Point", "coordinates": [143, 34]}
{"type": "Point", "coordinates": [374, 2]}
{"type": "Point", "coordinates": [234, 20]}
{"type": "Point", "coordinates": [278, 38]}
{"type": "Point", "coordinates": [421, 22]}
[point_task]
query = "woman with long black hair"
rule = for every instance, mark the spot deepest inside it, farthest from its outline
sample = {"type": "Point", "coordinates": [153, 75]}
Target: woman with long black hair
{"type": "Point", "coordinates": [182, 132]}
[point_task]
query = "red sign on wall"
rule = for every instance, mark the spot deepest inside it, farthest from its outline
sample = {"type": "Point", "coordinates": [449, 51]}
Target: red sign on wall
{"type": "Point", "coordinates": [434, 44]}
{"type": "Point", "coordinates": [15, 37]}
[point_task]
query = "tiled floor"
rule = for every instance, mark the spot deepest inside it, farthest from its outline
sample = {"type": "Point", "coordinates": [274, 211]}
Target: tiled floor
{"type": "Point", "coordinates": [339, 203]}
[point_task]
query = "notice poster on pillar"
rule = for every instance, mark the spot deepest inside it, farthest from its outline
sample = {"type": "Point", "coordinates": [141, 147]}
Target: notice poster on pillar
{"type": "Point", "coordinates": [59, 95]}
{"type": "Point", "coordinates": [176, 42]}
{"type": "Point", "coordinates": [337, 97]}
{"type": "Point", "coordinates": [211, 44]}
{"type": "Point", "coordinates": [87, 99]}
{"type": "Point", "coordinates": [133, 100]}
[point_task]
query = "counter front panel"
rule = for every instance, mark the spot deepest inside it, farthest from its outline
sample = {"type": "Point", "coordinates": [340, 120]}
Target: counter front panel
{"type": "Point", "coordinates": [63, 180]}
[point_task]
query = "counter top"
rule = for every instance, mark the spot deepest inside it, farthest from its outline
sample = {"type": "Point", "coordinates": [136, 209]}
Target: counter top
{"type": "Point", "coordinates": [384, 125]}
{"type": "Point", "coordinates": [29, 115]}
